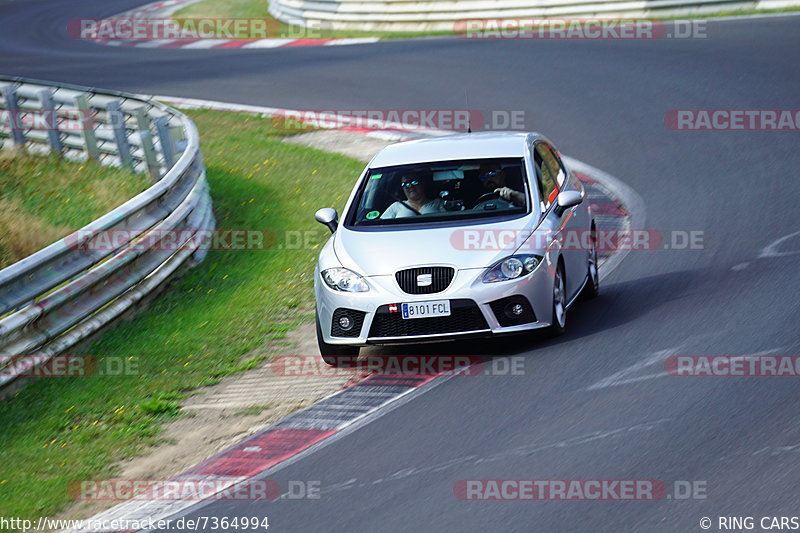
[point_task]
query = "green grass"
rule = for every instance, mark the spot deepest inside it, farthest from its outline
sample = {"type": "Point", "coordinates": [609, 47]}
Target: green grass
{"type": "Point", "coordinates": [44, 198]}
{"type": "Point", "coordinates": [242, 9]}
{"type": "Point", "coordinates": [253, 410]}
{"type": "Point", "coordinates": [226, 315]}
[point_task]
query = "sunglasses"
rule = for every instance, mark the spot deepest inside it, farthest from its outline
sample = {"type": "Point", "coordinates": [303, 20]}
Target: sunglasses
{"type": "Point", "coordinates": [490, 174]}
{"type": "Point", "coordinates": [407, 184]}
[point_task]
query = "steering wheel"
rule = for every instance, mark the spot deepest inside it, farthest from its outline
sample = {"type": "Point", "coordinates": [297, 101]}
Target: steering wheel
{"type": "Point", "coordinates": [484, 197]}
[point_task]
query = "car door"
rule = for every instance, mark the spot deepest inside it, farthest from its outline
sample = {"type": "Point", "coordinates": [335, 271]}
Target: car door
{"type": "Point", "coordinates": [553, 179]}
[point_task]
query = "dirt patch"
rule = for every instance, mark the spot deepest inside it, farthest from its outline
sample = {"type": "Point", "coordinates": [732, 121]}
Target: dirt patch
{"type": "Point", "coordinates": [240, 405]}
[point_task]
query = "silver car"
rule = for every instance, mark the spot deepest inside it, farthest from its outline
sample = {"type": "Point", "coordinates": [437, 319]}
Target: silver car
{"type": "Point", "coordinates": [467, 235]}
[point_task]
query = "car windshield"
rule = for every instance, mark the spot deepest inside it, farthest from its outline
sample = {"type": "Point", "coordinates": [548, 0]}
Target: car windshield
{"type": "Point", "coordinates": [433, 192]}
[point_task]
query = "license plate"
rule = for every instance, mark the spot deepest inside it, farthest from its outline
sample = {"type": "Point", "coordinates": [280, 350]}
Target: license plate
{"type": "Point", "coordinates": [426, 309]}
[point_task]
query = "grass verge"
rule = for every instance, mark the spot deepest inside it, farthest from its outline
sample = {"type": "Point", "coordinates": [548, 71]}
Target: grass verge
{"type": "Point", "coordinates": [252, 9]}
{"type": "Point", "coordinates": [259, 9]}
{"type": "Point", "coordinates": [221, 317]}
{"type": "Point", "coordinates": [44, 198]}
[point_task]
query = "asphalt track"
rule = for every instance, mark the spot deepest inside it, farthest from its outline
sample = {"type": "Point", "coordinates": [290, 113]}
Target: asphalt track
{"type": "Point", "coordinates": [596, 402]}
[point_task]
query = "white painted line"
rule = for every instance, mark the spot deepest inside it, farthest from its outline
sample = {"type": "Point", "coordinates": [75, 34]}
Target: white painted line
{"type": "Point", "coordinates": [624, 194]}
{"type": "Point", "coordinates": [268, 43]}
{"type": "Point", "coordinates": [360, 40]}
{"type": "Point", "coordinates": [344, 122]}
{"type": "Point", "coordinates": [155, 43]}
{"type": "Point", "coordinates": [628, 374]}
{"type": "Point", "coordinates": [205, 43]}
{"type": "Point", "coordinates": [772, 250]}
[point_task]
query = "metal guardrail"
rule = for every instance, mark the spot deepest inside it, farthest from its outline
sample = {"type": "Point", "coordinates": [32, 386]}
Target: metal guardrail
{"type": "Point", "coordinates": [60, 295]}
{"type": "Point", "coordinates": [426, 15]}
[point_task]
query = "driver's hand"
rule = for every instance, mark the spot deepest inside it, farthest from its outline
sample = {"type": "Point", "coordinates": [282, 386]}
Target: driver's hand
{"type": "Point", "coordinates": [505, 193]}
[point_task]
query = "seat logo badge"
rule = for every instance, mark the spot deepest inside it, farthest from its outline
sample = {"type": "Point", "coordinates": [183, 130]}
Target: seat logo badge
{"type": "Point", "coordinates": [424, 280]}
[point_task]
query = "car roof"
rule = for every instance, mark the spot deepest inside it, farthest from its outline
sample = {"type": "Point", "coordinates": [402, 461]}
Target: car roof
{"type": "Point", "coordinates": [451, 147]}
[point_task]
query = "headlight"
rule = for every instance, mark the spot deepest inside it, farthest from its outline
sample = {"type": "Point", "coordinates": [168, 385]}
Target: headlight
{"type": "Point", "coordinates": [512, 267]}
{"type": "Point", "coordinates": [342, 279]}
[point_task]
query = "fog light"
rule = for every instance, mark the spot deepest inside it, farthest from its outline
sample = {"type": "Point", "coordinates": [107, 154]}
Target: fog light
{"type": "Point", "coordinates": [345, 323]}
{"type": "Point", "coordinates": [514, 310]}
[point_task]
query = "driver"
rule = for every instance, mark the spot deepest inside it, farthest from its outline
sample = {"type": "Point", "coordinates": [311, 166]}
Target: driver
{"type": "Point", "coordinates": [493, 180]}
{"type": "Point", "coordinates": [415, 186]}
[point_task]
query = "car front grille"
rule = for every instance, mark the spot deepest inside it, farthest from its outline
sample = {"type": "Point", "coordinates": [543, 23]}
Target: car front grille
{"type": "Point", "coordinates": [440, 279]}
{"type": "Point", "coordinates": [464, 316]}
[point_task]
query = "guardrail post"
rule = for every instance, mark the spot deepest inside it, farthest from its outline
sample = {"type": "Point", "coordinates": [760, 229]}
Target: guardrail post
{"type": "Point", "coordinates": [12, 106]}
{"type": "Point", "coordinates": [167, 148]}
{"type": "Point", "coordinates": [86, 118]}
{"type": "Point", "coordinates": [150, 157]}
{"type": "Point", "coordinates": [117, 119]}
{"type": "Point", "coordinates": [81, 283]}
{"type": "Point", "coordinates": [51, 120]}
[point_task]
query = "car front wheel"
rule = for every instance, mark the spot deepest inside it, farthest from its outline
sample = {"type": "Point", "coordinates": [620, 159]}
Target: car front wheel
{"type": "Point", "coordinates": [592, 289]}
{"type": "Point", "coordinates": [559, 323]}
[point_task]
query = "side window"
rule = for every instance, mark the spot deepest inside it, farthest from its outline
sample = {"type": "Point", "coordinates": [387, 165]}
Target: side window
{"type": "Point", "coordinates": [551, 175]}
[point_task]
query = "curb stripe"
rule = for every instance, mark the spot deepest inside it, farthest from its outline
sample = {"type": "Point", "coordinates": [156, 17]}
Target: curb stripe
{"type": "Point", "coordinates": [259, 452]}
{"type": "Point", "coordinates": [278, 442]}
{"type": "Point", "coordinates": [309, 42]}
{"type": "Point", "coordinates": [183, 43]}
{"type": "Point", "coordinates": [217, 44]}
{"type": "Point", "coordinates": [232, 44]}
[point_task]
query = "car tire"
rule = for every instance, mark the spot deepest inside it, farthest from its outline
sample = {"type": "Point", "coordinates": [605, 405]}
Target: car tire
{"type": "Point", "coordinates": [592, 289]}
{"type": "Point", "coordinates": [559, 318]}
{"type": "Point", "coordinates": [336, 355]}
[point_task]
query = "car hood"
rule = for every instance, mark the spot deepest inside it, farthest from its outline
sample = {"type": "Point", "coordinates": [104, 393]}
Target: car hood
{"type": "Point", "coordinates": [375, 253]}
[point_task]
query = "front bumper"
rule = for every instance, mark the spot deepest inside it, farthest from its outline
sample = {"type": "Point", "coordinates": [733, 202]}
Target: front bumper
{"type": "Point", "coordinates": [477, 309]}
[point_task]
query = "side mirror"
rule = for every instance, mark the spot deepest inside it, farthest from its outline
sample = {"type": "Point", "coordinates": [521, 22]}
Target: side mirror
{"type": "Point", "coordinates": [567, 199]}
{"type": "Point", "coordinates": [329, 217]}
